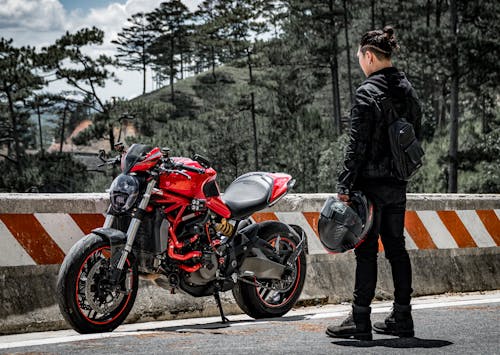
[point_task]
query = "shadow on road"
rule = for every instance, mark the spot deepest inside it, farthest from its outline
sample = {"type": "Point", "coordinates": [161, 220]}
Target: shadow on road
{"type": "Point", "coordinates": [194, 328]}
{"type": "Point", "coordinates": [400, 343]}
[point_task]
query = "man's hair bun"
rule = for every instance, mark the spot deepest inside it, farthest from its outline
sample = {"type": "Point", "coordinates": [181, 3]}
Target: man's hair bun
{"type": "Point", "coordinates": [389, 31]}
{"type": "Point", "coordinates": [383, 42]}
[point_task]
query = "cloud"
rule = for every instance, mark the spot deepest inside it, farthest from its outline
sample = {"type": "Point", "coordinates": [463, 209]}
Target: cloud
{"type": "Point", "coordinates": [37, 15]}
{"type": "Point", "coordinates": [40, 22]}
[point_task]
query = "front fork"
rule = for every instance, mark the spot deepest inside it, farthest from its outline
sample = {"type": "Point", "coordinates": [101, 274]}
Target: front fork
{"type": "Point", "coordinates": [132, 229]}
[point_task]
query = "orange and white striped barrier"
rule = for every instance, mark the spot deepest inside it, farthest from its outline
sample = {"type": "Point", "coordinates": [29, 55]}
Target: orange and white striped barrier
{"type": "Point", "coordinates": [45, 238]}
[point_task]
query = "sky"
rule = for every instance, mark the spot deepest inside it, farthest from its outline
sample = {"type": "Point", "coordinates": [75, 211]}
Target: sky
{"type": "Point", "coordinates": [40, 22]}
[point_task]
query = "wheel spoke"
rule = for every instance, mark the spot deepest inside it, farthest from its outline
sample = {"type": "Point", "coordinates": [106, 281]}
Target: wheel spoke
{"type": "Point", "coordinates": [265, 293]}
{"type": "Point", "coordinates": [277, 293]}
{"type": "Point", "coordinates": [96, 300]}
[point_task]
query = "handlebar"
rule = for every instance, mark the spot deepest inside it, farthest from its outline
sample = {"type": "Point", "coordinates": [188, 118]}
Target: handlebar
{"type": "Point", "coordinates": [112, 161]}
{"type": "Point", "coordinates": [190, 168]}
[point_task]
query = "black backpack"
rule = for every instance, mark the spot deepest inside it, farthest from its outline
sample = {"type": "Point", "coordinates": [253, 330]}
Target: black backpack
{"type": "Point", "coordinates": [406, 151]}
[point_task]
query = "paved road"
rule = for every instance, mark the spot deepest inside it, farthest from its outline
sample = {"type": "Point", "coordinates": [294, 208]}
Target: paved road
{"type": "Point", "coordinates": [458, 324]}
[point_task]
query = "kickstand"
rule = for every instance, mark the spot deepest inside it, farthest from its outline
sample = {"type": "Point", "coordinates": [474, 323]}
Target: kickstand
{"type": "Point", "coordinates": [219, 304]}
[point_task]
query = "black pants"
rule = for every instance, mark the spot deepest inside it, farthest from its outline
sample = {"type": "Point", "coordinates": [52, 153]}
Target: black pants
{"type": "Point", "coordinates": [389, 210]}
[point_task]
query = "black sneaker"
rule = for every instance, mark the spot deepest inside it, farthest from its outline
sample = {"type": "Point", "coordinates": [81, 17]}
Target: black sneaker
{"type": "Point", "coordinates": [399, 322]}
{"type": "Point", "coordinates": [357, 325]}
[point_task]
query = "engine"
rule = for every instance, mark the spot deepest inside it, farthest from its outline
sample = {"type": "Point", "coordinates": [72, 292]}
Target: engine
{"type": "Point", "coordinates": [205, 234]}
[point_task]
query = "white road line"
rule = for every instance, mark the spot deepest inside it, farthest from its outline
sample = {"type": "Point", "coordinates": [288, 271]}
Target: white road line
{"type": "Point", "coordinates": [476, 228]}
{"type": "Point", "coordinates": [329, 311]}
{"type": "Point", "coordinates": [11, 252]}
{"type": "Point", "coordinates": [68, 339]}
{"type": "Point", "coordinates": [414, 307]}
{"type": "Point", "coordinates": [437, 230]}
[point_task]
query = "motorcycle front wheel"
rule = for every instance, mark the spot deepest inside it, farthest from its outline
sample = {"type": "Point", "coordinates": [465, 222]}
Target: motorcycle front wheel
{"type": "Point", "coordinates": [271, 298]}
{"type": "Point", "coordinates": [87, 299]}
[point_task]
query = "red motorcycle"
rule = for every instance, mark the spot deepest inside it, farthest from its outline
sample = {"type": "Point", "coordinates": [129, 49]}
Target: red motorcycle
{"type": "Point", "coordinates": [167, 222]}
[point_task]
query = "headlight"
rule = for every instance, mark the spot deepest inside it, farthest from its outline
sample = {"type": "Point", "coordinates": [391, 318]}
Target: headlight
{"type": "Point", "coordinates": [123, 192]}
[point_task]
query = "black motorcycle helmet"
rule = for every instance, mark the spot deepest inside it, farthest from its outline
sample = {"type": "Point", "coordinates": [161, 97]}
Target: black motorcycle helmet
{"type": "Point", "coordinates": [344, 225]}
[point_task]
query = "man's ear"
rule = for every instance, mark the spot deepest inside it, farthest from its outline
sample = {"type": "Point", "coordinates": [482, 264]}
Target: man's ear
{"type": "Point", "coordinates": [369, 56]}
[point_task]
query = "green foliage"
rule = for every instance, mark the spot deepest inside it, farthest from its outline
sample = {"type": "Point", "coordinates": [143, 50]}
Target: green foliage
{"type": "Point", "coordinates": [133, 44]}
{"type": "Point", "coordinates": [54, 172]}
{"type": "Point", "coordinates": [278, 66]}
{"type": "Point", "coordinates": [18, 82]}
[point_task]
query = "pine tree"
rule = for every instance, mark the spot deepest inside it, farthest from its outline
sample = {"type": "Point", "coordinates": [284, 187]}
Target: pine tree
{"type": "Point", "coordinates": [67, 61]}
{"type": "Point", "coordinates": [133, 44]}
{"type": "Point", "coordinates": [208, 38]}
{"type": "Point", "coordinates": [241, 25]}
{"type": "Point", "coordinates": [18, 81]}
{"type": "Point", "coordinates": [322, 22]}
{"type": "Point", "coordinates": [170, 22]}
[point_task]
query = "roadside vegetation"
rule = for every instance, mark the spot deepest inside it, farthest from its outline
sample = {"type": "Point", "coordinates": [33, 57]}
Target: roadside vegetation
{"type": "Point", "coordinates": [257, 85]}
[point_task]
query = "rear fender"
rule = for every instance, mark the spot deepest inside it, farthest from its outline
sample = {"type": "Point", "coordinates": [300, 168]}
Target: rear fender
{"type": "Point", "coordinates": [298, 232]}
{"type": "Point", "coordinates": [263, 262]}
{"type": "Point", "coordinates": [253, 231]}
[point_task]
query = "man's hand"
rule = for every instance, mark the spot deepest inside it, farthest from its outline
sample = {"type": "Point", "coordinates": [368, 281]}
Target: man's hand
{"type": "Point", "coordinates": [343, 198]}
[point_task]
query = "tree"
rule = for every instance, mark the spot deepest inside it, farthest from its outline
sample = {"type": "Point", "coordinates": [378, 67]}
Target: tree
{"type": "Point", "coordinates": [322, 22]}
{"type": "Point", "coordinates": [18, 81]}
{"type": "Point", "coordinates": [133, 44]}
{"type": "Point", "coordinates": [169, 21]}
{"type": "Point", "coordinates": [50, 172]}
{"type": "Point", "coordinates": [208, 35]}
{"type": "Point", "coordinates": [455, 77]}
{"type": "Point", "coordinates": [240, 23]}
{"type": "Point", "coordinates": [67, 61]}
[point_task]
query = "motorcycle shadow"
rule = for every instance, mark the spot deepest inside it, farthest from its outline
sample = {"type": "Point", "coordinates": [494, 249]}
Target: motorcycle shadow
{"type": "Point", "coordinates": [398, 343]}
{"type": "Point", "coordinates": [210, 327]}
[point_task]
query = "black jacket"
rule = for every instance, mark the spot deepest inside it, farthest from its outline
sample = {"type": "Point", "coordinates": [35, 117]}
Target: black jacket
{"type": "Point", "coordinates": [368, 153]}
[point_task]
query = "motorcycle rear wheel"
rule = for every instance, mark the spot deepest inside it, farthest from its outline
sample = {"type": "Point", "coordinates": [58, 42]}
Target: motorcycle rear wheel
{"type": "Point", "coordinates": [256, 298]}
{"type": "Point", "coordinates": [87, 300]}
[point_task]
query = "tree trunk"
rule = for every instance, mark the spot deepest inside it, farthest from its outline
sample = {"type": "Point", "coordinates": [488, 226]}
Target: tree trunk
{"type": "Point", "coordinates": [252, 108]}
{"type": "Point", "coordinates": [348, 51]}
{"type": "Point", "coordinates": [40, 128]}
{"type": "Point", "coordinates": [63, 127]}
{"type": "Point", "coordinates": [444, 110]}
{"type": "Point", "coordinates": [485, 127]}
{"type": "Point", "coordinates": [172, 69]}
{"type": "Point", "coordinates": [453, 152]}
{"type": "Point", "coordinates": [254, 126]}
{"type": "Point", "coordinates": [334, 72]}
{"type": "Point", "coordinates": [428, 8]}
{"type": "Point", "coordinates": [438, 13]}
{"type": "Point", "coordinates": [143, 77]}
{"type": "Point", "coordinates": [111, 134]}
{"type": "Point", "coordinates": [373, 14]}
{"type": "Point", "coordinates": [336, 111]}
{"type": "Point", "coordinates": [182, 66]}
{"type": "Point", "coordinates": [213, 62]}
{"type": "Point", "coordinates": [17, 145]}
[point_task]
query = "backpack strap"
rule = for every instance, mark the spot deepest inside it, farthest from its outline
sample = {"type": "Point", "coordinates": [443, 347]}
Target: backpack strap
{"type": "Point", "coordinates": [388, 109]}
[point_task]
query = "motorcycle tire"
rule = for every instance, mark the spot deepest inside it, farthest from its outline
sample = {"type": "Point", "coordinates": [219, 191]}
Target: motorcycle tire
{"type": "Point", "coordinates": [88, 302]}
{"type": "Point", "coordinates": [260, 302]}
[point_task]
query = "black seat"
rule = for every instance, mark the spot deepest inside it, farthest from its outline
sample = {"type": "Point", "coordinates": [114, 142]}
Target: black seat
{"type": "Point", "coordinates": [248, 193]}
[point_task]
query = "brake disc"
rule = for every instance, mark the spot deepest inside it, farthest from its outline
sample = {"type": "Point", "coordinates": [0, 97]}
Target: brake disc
{"type": "Point", "coordinates": [112, 299]}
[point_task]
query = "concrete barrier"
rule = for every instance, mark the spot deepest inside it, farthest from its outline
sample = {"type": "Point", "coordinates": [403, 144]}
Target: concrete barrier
{"type": "Point", "coordinates": [453, 242]}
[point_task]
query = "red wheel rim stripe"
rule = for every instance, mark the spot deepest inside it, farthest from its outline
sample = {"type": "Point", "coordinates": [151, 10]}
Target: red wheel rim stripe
{"type": "Point", "coordinates": [76, 293]}
{"type": "Point", "coordinates": [296, 281]}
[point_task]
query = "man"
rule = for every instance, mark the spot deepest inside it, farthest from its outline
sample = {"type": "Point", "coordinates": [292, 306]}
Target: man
{"type": "Point", "coordinates": [368, 168]}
